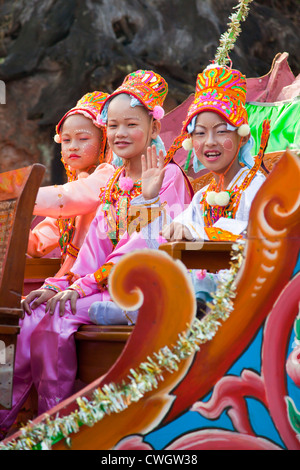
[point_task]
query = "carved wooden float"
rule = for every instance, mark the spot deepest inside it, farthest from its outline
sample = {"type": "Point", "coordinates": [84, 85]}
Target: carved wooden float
{"type": "Point", "coordinates": [218, 379]}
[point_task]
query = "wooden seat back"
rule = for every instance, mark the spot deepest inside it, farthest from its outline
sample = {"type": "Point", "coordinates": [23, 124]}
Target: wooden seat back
{"type": "Point", "coordinates": [18, 189]}
{"type": "Point", "coordinates": [98, 347]}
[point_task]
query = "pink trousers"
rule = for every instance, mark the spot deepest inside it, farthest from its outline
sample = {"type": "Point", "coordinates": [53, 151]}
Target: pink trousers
{"type": "Point", "coordinates": [46, 357]}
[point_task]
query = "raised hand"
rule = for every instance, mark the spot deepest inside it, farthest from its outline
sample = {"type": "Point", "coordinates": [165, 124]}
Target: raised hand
{"type": "Point", "coordinates": [153, 172]}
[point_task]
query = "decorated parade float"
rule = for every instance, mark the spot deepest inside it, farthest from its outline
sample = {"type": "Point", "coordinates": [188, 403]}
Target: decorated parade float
{"type": "Point", "coordinates": [228, 381]}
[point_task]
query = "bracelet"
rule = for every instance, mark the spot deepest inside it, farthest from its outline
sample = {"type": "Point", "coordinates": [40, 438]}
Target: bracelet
{"type": "Point", "coordinates": [51, 287]}
{"type": "Point", "coordinates": [79, 290]}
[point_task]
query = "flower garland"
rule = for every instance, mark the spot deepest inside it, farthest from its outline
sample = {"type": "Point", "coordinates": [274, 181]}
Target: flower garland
{"type": "Point", "coordinates": [114, 398]}
{"type": "Point", "coordinates": [228, 38]}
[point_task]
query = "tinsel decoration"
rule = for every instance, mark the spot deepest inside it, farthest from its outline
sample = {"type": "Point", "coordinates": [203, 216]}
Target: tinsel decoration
{"type": "Point", "coordinates": [114, 398]}
{"type": "Point", "coordinates": [227, 39]}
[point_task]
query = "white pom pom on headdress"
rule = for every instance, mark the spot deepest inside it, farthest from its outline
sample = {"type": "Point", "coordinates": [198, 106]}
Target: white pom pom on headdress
{"type": "Point", "coordinates": [243, 130]}
{"type": "Point", "coordinates": [57, 139]}
{"type": "Point", "coordinates": [187, 144]}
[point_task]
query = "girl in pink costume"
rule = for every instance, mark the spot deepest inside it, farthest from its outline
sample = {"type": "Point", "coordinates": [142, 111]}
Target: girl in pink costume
{"type": "Point", "coordinates": [83, 146]}
{"type": "Point", "coordinates": [46, 354]}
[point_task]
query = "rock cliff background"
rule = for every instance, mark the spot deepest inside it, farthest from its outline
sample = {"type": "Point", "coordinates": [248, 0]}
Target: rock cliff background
{"type": "Point", "coordinates": [54, 51]}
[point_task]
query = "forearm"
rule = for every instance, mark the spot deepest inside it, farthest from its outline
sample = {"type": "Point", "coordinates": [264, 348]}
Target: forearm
{"type": "Point", "coordinates": [43, 238]}
{"type": "Point", "coordinates": [74, 198]}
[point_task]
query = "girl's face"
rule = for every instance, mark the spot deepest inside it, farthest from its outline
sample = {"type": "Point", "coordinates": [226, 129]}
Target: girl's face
{"type": "Point", "coordinates": [214, 145]}
{"type": "Point", "coordinates": [129, 129]}
{"type": "Point", "coordinates": [80, 142]}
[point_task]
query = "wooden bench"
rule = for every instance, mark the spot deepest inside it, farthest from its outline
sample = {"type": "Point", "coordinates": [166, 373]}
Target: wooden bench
{"type": "Point", "coordinates": [200, 255]}
{"type": "Point", "coordinates": [98, 348]}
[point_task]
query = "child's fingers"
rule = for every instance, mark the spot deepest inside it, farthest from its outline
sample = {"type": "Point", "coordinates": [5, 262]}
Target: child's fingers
{"type": "Point", "coordinates": [178, 232]}
{"type": "Point", "coordinates": [41, 298]}
{"type": "Point", "coordinates": [26, 307]}
{"type": "Point", "coordinates": [149, 158]}
{"type": "Point", "coordinates": [51, 304]}
{"type": "Point", "coordinates": [144, 163]}
{"type": "Point", "coordinates": [167, 231]}
{"type": "Point", "coordinates": [161, 159]}
{"type": "Point", "coordinates": [154, 157]}
{"type": "Point", "coordinates": [62, 305]}
{"type": "Point", "coordinates": [31, 296]}
{"type": "Point", "coordinates": [73, 302]}
{"type": "Point", "coordinates": [161, 176]}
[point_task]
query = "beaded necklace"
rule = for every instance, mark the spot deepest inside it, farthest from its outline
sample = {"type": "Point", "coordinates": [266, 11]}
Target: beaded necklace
{"type": "Point", "coordinates": [116, 205]}
{"type": "Point", "coordinates": [212, 213]}
{"type": "Point", "coordinates": [67, 226]}
{"type": "Point", "coordinates": [67, 230]}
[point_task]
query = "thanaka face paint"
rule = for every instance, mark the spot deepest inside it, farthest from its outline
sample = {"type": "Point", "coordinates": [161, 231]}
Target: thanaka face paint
{"type": "Point", "coordinates": [228, 144]}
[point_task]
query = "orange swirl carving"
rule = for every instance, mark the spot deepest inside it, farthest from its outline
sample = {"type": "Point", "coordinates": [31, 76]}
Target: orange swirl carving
{"type": "Point", "coordinates": [152, 281]}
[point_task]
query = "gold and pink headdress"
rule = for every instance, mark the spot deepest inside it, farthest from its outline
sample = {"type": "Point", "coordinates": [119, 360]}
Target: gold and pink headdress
{"type": "Point", "coordinates": [222, 90]}
{"type": "Point", "coordinates": [148, 87]}
{"type": "Point", "coordinates": [89, 106]}
{"type": "Point", "coordinates": [219, 89]}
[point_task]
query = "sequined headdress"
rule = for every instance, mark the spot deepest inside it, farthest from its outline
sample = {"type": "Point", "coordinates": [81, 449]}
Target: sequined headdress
{"type": "Point", "coordinates": [89, 106]}
{"type": "Point", "coordinates": [148, 87]}
{"type": "Point", "coordinates": [222, 90]}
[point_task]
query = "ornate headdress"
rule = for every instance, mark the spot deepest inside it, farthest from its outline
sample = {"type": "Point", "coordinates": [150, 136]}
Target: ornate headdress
{"type": "Point", "coordinates": [222, 90]}
{"type": "Point", "coordinates": [90, 106]}
{"type": "Point", "coordinates": [219, 88]}
{"type": "Point", "coordinates": [148, 87]}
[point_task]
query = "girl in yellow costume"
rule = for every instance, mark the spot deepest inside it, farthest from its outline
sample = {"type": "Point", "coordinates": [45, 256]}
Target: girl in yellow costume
{"type": "Point", "coordinates": [83, 144]}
